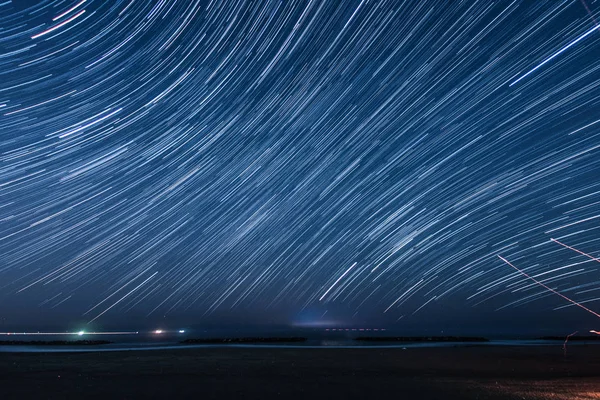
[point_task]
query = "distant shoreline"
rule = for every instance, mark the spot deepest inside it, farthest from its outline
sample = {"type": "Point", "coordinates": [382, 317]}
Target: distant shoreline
{"type": "Point", "coordinates": [572, 338]}
{"type": "Point", "coordinates": [285, 342]}
{"type": "Point", "coordinates": [413, 339]}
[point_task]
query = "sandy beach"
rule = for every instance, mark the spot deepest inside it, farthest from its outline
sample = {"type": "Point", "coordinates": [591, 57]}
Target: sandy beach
{"type": "Point", "coordinates": [473, 372]}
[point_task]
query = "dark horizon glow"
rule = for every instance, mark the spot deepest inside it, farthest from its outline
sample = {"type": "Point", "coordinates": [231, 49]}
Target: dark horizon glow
{"type": "Point", "coordinates": [299, 163]}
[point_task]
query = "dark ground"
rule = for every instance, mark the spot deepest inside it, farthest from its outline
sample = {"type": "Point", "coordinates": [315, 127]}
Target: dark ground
{"type": "Point", "coordinates": [478, 372]}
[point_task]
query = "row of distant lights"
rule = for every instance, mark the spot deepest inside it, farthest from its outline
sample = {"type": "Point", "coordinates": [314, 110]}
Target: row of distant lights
{"type": "Point", "coordinates": [160, 331]}
{"type": "Point", "coordinates": [354, 329]}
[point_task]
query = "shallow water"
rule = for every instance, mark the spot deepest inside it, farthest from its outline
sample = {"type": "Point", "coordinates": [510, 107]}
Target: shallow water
{"type": "Point", "coordinates": [147, 345]}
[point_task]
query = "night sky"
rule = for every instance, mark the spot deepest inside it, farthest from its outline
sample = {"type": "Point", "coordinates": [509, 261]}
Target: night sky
{"type": "Point", "coordinates": [299, 163]}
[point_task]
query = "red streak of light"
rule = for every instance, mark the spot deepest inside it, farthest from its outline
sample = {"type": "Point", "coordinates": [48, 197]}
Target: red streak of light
{"type": "Point", "coordinates": [566, 340]}
{"type": "Point", "coordinates": [590, 13]}
{"type": "Point", "coordinates": [574, 249]}
{"type": "Point", "coordinates": [549, 288]}
{"type": "Point", "coordinates": [596, 332]}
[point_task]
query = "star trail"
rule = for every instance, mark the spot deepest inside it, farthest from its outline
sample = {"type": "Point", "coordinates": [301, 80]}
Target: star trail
{"type": "Point", "coordinates": [368, 160]}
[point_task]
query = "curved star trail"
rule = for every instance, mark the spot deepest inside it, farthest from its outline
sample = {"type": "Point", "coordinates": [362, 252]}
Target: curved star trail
{"type": "Point", "coordinates": [207, 158]}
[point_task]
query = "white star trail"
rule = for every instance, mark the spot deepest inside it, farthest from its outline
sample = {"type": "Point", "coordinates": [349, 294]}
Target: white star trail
{"type": "Point", "coordinates": [357, 160]}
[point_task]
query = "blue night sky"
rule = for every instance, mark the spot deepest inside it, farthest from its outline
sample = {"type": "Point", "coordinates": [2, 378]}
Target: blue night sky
{"type": "Point", "coordinates": [300, 163]}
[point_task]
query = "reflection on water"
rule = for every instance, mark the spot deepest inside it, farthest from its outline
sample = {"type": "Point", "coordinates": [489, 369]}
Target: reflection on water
{"type": "Point", "coordinates": [122, 344]}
